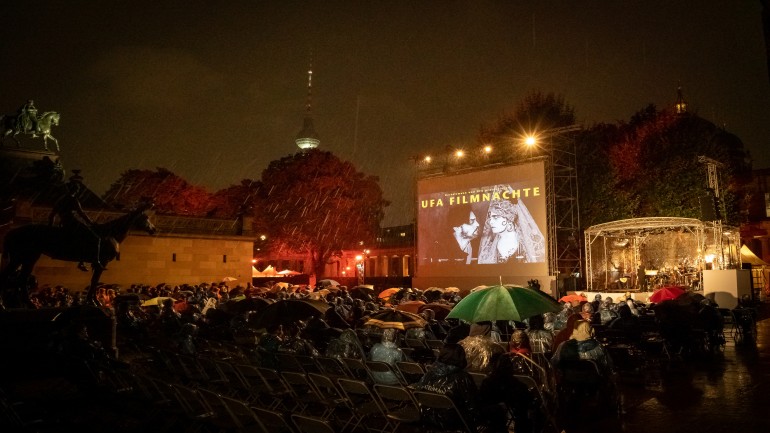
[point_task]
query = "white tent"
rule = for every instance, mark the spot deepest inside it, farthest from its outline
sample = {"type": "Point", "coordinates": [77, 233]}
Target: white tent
{"type": "Point", "coordinates": [268, 272]}
{"type": "Point", "coordinates": [747, 256]}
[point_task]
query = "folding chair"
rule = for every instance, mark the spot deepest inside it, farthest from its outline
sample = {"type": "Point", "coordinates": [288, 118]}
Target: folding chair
{"type": "Point", "coordinates": [332, 396]}
{"type": "Point", "coordinates": [218, 407]}
{"type": "Point", "coordinates": [274, 422]}
{"type": "Point", "coordinates": [288, 362]}
{"type": "Point", "coordinates": [331, 367]}
{"type": "Point", "coordinates": [400, 407]}
{"type": "Point", "coordinates": [357, 369]}
{"type": "Point", "coordinates": [441, 402]}
{"type": "Point", "coordinates": [243, 417]}
{"type": "Point", "coordinates": [410, 371]}
{"type": "Point", "coordinates": [364, 405]}
{"type": "Point", "coordinates": [304, 395]}
{"type": "Point", "coordinates": [478, 378]}
{"type": "Point", "coordinates": [196, 408]}
{"type": "Point", "coordinates": [255, 386]}
{"type": "Point", "coordinates": [306, 424]}
{"type": "Point", "coordinates": [380, 369]}
{"type": "Point", "coordinates": [275, 387]}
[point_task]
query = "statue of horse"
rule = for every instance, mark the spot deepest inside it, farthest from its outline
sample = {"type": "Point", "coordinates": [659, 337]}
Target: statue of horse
{"type": "Point", "coordinates": [10, 126]}
{"type": "Point", "coordinates": [24, 245]}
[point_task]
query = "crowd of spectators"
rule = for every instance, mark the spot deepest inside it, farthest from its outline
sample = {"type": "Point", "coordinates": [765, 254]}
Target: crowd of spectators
{"type": "Point", "coordinates": [553, 350]}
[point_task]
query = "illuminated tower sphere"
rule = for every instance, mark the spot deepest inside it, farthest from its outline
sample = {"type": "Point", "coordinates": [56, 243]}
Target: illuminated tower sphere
{"type": "Point", "coordinates": [307, 138]}
{"type": "Point", "coordinates": [681, 104]}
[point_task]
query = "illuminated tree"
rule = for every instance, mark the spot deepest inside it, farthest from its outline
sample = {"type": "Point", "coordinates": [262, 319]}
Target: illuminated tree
{"type": "Point", "coordinates": [172, 194]}
{"type": "Point", "coordinates": [235, 200]}
{"type": "Point", "coordinates": [317, 205]}
{"type": "Point", "coordinates": [649, 167]}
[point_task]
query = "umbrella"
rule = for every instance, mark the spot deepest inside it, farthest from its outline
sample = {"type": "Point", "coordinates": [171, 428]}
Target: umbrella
{"type": "Point", "coordinates": [573, 298]}
{"type": "Point", "coordinates": [441, 310]}
{"type": "Point", "coordinates": [387, 293]}
{"type": "Point", "coordinates": [361, 292]}
{"type": "Point", "coordinates": [666, 293]}
{"type": "Point", "coordinates": [502, 303]}
{"type": "Point", "coordinates": [410, 306]}
{"type": "Point", "coordinates": [328, 283]}
{"type": "Point", "coordinates": [395, 319]}
{"type": "Point", "coordinates": [156, 302]}
{"type": "Point", "coordinates": [248, 304]}
{"type": "Point", "coordinates": [289, 311]}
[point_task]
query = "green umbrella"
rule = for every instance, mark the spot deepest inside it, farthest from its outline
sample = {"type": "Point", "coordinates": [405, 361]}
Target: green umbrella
{"type": "Point", "coordinates": [502, 303]}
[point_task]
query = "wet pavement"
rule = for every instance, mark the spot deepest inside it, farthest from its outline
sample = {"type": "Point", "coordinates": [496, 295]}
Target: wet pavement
{"type": "Point", "coordinates": [725, 392]}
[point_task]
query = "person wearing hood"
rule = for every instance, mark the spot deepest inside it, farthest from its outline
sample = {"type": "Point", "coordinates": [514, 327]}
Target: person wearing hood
{"type": "Point", "coordinates": [583, 345]}
{"type": "Point", "coordinates": [386, 351]}
{"type": "Point", "coordinates": [480, 348]}
{"type": "Point", "coordinates": [448, 377]}
{"type": "Point", "coordinates": [346, 346]}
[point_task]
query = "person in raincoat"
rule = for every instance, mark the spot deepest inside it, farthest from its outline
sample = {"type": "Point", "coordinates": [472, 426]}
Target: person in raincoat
{"type": "Point", "coordinates": [448, 377]}
{"type": "Point", "coordinates": [480, 347]}
{"type": "Point", "coordinates": [386, 351]}
{"type": "Point", "coordinates": [346, 346]}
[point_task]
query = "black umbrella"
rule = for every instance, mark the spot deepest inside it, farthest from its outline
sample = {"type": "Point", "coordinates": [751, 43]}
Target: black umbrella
{"type": "Point", "coordinates": [289, 311]}
{"type": "Point", "coordinates": [362, 292]}
{"type": "Point", "coordinates": [248, 304]}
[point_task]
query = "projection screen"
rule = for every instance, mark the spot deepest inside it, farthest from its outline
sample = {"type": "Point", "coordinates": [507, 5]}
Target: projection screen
{"type": "Point", "coordinates": [483, 223]}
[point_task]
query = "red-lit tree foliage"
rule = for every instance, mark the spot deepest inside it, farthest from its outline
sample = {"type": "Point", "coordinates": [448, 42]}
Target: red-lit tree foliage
{"type": "Point", "coordinates": [649, 167]}
{"type": "Point", "coordinates": [235, 200]}
{"type": "Point", "coordinates": [317, 205]}
{"type": "Point", "coordinates": [172, 194]}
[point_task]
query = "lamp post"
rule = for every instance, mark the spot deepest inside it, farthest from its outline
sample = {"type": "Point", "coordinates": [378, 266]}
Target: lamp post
{"type": "Point", "coordinates": [361, 267]}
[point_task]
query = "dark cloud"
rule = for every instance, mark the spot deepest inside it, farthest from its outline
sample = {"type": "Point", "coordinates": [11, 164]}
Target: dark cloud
{"type": "Point", "coordinates": [216, 90]}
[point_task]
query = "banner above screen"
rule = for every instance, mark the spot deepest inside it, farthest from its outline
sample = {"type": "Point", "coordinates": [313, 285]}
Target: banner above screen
{"type": "Point", "coordinates": [485, 223]}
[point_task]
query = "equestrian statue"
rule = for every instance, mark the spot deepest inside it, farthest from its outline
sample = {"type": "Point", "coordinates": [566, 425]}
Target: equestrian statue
{"type": "Point", "coordinates": [26, 121]}
{"type": "Point", "coordinates": [75, 239]}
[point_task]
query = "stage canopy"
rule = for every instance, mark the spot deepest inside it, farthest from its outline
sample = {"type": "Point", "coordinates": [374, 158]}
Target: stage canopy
{"type": "Point", "coordinates": [645, 253]}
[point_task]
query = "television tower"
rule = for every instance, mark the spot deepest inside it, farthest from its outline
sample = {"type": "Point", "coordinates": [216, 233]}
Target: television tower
{"type": "Point", "coordinates": [307, 138]}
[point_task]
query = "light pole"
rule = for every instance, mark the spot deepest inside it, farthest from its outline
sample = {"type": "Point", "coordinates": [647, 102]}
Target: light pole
{"type": "Point", "coordinates": [361, 267]}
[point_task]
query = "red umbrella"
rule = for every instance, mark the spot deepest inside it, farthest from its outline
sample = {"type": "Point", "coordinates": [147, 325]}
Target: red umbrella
{"type": "Point", "coordinates": [573, 298]}
{"type": "Point", "coordinates": [441, 310]}
{"type": "Point", "coordinates": [666, 293]}
{"type": "Point", "coordinates": [410, 306]}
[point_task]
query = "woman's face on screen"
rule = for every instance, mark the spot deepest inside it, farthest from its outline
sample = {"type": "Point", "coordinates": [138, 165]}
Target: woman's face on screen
{"type": "Point", "coordinates": [497, 222]}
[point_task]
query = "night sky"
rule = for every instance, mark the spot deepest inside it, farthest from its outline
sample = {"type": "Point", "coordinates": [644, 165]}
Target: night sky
{"type": "Point", "coordinates": [214, 90]}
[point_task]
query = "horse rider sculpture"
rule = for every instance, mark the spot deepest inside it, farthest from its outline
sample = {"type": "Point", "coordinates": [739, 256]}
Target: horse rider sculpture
{"type": "Point", "coordinates": [73, 219]}
{"type": "Point", "coordinates": [27, 119]}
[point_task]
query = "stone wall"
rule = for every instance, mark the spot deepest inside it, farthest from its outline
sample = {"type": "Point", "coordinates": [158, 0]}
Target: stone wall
{"type": "Point", "coordinates": [171, 259]}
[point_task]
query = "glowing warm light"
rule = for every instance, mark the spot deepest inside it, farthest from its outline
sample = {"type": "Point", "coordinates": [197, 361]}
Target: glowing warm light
{"type": "Point", "coordinates": [459, 153]}
{"type": "Point", "coordinates": [366, 251]}
{"type": "Point", "coordinates": [344, 273]}
{"type": "Point", "coordinates": [347, 268]}
{"type": "Point", "coordinates": [487, 149]}
{"type": "Point", "coordinates": [262, 237]}
{"type": "Point", "coordinates": [253, 260]}
{"type": "Point", "coordinates": [427, 158]}
{"type": "Point", "coordinates": [709, 258]}
{"type": "Point", "coordinates": [359, 258]}
{"type": "Point", "coordinates": [530, 140]}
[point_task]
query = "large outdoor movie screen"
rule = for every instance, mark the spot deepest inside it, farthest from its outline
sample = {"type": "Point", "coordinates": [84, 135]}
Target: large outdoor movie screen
{"type": "Point", "coordinates": [484, 223]}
